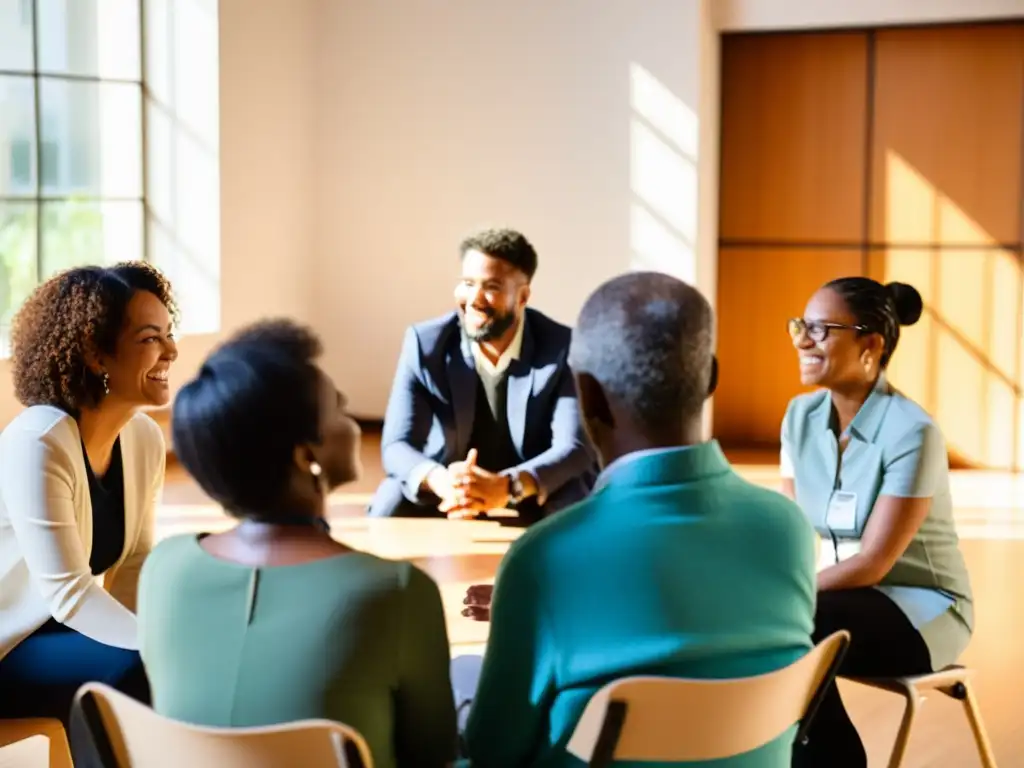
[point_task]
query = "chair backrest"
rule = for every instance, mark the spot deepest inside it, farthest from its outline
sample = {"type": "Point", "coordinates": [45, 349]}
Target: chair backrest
{"type": "Point", "coordinates": [139, 738]}
{"type": "Point", "coordinates": [660, 719]}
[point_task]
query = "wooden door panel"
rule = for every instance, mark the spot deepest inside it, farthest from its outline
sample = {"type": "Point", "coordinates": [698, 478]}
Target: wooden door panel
{"type": "Point", "coordinates": [758, 291]}
{"type": "Point", "coordinates": [793, 137]}
{"type": "Point", "coordinates": [946, 155]}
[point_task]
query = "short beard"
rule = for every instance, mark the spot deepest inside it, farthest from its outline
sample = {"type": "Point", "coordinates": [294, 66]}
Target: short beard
{"type": "Point", "coordinates": [493, 329]}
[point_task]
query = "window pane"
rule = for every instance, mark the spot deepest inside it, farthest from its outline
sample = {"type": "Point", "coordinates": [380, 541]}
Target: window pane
{"type": "Point", "coordinates": [92, 138]}
{"type": "Point", "coordinates": [16, 35]}
{"type": "Point", "coordinates": [77, 233]}
{"type": "Point", "coordinates": [17, 136]}
{"type": "Point", "coordinates": [18, 263]}
{"type": "Point", "coordinates": [97, 38]}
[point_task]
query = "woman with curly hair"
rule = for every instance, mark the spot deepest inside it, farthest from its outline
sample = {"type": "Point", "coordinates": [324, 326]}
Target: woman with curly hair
{"type": "Point", "coordinates": [80, 470]}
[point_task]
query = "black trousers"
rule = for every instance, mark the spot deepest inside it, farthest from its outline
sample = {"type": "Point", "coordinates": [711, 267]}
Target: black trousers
{"type": "Point", "coordinates": [883, 643]}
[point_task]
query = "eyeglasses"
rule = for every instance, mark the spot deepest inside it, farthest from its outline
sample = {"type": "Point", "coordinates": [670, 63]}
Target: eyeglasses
{"type": "Point", "coordinates": [817, 330]}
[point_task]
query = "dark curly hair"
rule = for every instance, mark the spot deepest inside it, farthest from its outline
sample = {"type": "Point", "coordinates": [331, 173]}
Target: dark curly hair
{"type": "Point", "coordinates": [235, 426]}
{"type": "Point", "coordinates": [505, 244]}
{"type": "Point", "coordinates": [75, 315]}
{"type": "Point", "coordinates": [881, 309]}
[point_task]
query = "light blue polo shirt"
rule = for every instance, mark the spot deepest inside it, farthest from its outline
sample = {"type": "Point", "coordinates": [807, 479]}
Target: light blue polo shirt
{"type": "Point", "coordinates": [895, 449]}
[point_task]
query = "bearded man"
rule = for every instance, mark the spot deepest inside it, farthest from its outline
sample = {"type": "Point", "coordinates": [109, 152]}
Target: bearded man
{"type": "Point", "coordinates": [483, 417]}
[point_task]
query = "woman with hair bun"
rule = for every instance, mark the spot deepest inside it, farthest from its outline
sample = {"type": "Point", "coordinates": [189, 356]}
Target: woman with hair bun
{"type": "Point", "coordinates": [869, 467]}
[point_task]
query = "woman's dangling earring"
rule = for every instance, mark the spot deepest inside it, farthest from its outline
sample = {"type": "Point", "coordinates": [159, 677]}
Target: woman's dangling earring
{"type": "Point", "coordinates": [106, 383]}
{"type": "Point", "coordinates": [317, 472]}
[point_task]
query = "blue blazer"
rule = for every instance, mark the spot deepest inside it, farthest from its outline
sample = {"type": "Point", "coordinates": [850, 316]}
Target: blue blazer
{"type": "Point", "coordinates": [433, 400]}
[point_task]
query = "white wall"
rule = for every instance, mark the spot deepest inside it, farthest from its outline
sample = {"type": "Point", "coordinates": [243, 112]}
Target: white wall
{"type": "Point", "coordinates": [449, 115]}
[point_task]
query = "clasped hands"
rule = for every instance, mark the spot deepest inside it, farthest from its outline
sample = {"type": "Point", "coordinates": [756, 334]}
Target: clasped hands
{"type": "Point", "coordinates": [466, 490]}
{"type": "Point", "coordinates": [478, 602]}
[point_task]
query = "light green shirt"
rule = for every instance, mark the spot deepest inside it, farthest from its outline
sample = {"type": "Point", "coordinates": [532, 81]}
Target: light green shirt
{"type": "Point", "coordinates": [352, 638]}
{"type": "Point", "coordinates": [895, 449]}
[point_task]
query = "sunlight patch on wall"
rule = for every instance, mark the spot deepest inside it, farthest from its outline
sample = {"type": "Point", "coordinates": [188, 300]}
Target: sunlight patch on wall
{"type": "Point", "coordinates": [655, 248]}
{"type": "Point", "coordinates": [664, 181]}
{"type": "Point", "coordinates": [664, 111]}
{"type": "Point", "coordinates": [910, 203]}
{"type": "Point", "coordinates": [663, 178]}
{"type": "Point", "coordinates": [962, 361]}
{"type": "Point", "coordinates": [1002, 307]}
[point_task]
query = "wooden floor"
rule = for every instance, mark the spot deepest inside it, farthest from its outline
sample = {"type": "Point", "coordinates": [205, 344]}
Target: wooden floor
{"type": "Point", "coordinates": [990, 519]}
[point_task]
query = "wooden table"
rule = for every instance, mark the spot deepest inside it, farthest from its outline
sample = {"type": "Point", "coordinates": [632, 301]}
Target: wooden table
{"type": "Point", "coordinates": [456, 553]}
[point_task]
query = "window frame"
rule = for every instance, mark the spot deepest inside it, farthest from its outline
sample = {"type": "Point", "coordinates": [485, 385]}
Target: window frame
{"type": "Point", "coordinates": [39, 199]}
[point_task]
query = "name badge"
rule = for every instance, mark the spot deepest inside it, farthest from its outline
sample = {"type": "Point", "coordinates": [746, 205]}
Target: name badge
{"type": "Point", "coordinates": [842, 512]}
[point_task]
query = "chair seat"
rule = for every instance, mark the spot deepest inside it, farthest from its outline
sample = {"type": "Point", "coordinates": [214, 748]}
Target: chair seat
{"type": "Point", "coordinates": [948, 680]}
{"type": "Point", "coordinates": [954, 681]}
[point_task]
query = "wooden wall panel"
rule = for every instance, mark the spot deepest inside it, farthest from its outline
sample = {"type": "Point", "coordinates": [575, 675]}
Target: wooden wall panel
{"type": "Point", "coordinates": [962, 361]}
{"type": "Point", "coordinates": [758, 291]}
{"type": "Point", "coordinates": [793, 137]}
{"type": "Point", "coordinates": [944, 189]}
{"type": "Point", "coordinates": [946, 158]}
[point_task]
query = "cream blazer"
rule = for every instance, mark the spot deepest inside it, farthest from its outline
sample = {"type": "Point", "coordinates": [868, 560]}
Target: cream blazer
{"type": "Point", "coordinates": [46, 528]}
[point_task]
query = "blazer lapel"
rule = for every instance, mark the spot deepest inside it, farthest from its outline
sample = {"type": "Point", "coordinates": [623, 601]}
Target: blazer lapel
{"type": "Point", "coordinates": [84, 519]}
{"type": "Point", "coordinates": [520, 388]}
{"type": "Point", "coordinates": [462, 380]}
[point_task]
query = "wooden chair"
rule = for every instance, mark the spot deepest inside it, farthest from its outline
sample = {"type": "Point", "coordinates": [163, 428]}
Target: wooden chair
{"type": "Point", "coordinates": [660, 719]}
{"type": "Point", "coordinates": [15, 731]}
{"type": "Point", "coordinates": [128, 734]}
{"type": "Point", "coordinates": [954, 681]}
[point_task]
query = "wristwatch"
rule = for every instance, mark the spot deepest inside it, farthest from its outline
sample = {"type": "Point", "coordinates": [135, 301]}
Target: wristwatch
{"type": "Point", "coordinates": [516, 492]}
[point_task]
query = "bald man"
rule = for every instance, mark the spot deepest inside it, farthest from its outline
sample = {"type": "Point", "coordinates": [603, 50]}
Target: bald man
{"type": "Point", "coordinates": [674, 566]}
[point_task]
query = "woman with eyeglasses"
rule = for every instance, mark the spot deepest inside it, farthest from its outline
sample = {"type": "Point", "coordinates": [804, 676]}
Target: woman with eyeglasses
{"type": "Point", "coordinates": [870, 469]}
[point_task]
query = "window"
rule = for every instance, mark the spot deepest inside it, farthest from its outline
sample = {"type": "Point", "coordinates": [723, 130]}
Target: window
{"type": "Point", "coordinates": [106, 155]}
{"type": "Point", "coordinates": [71, 140]}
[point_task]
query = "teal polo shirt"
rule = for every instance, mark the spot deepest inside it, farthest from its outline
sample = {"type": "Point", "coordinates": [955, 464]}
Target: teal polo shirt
{"type": "Point", "coordinates": [895, 449]}
{"type": "Point", "coordinates": [674, 566]}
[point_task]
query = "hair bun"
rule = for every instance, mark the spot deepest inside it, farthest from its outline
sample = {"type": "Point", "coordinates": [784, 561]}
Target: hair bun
{"type": "Point", "coordinates": [907, 300]}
